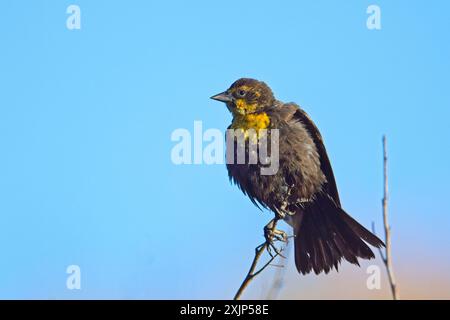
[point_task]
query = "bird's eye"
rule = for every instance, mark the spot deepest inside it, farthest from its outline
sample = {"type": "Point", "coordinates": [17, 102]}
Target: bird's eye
{"type": "Point", "coordinates": [241, 93]}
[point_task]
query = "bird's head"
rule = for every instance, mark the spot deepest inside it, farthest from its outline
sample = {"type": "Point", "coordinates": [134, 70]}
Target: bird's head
{"type": "Point", "coordinates": [247, 96]}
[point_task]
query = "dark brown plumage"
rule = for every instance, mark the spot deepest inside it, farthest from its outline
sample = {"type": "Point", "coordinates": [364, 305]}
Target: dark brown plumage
{"type": "Point", "coordinates": [303, 191]}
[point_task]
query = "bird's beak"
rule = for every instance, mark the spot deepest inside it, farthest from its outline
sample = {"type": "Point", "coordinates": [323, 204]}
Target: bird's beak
{"type": "Point", "coordinates": [223, 97]}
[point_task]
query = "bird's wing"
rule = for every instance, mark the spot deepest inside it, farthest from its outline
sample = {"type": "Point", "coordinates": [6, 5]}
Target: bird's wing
{"type": "Point", "coordinates": [294, 112]}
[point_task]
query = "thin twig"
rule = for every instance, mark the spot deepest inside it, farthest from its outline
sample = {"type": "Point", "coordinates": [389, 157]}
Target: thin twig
{"type": "Point", "coordinates": [387, 258]}
{"type": "Point", "coordinates": [387, 228]}
{"type": "Point", "coordinates": [259, 250]}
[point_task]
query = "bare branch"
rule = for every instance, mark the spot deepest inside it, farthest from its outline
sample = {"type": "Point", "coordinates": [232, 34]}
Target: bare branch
{"type": "Point", "coordinates": [259, 250]}
{"type": "Point", "coordinates": [387, 258]}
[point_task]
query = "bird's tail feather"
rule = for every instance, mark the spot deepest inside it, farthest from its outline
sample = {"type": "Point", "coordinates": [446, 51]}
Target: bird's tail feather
{"type": "Point", "coordinates": [325, 233]}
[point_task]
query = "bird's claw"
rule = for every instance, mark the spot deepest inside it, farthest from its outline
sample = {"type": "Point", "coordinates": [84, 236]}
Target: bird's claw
{"type": "Point", "coordinates": [272, 234]}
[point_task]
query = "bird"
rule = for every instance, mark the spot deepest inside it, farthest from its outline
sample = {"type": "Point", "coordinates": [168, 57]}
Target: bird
{"type": "Point", "coordinates": [302, 191]}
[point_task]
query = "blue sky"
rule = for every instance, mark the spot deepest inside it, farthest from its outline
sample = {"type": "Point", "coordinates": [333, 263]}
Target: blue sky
{"type": "Point", "coordinates": [86, 117]}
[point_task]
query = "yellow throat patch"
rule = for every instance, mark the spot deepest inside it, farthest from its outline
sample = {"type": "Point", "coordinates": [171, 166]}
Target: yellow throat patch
{"type": "Point", "coordinates": [242, 107]}
{"type": "Point", "coordinates": [255, 121]}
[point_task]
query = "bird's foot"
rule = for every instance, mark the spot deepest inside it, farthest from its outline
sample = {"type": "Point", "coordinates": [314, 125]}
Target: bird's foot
{"type": "Point", "coordinates": [271, 235]}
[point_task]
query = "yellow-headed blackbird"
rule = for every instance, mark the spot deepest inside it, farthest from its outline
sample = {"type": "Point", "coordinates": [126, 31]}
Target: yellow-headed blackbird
{"type": "Point", "coordinates": [303, 190]}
